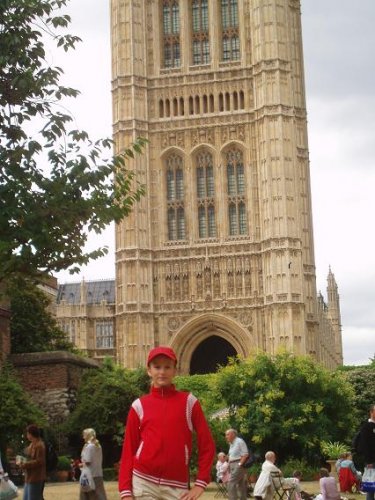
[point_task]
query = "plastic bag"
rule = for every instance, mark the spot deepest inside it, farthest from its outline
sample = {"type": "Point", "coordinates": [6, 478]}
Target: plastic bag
{"type": "Point", "coordinates": [368, 480]}
{"type": "Point", "coordinates": [86, 480]}
{"type": "Point", "coordinates": [8, 489]}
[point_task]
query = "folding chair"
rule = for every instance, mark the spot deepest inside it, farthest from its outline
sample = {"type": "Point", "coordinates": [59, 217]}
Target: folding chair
{"type": "Point", "coordinates": [221, 490]}
{"type": "Point", "coordinates": [282, 490]}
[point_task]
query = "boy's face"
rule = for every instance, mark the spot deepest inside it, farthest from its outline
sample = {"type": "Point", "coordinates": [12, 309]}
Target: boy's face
{"type": "Point", "coordinates": [162, 370]}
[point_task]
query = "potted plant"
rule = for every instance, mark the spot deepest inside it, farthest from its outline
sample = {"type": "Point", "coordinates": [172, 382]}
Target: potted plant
{"type": "Point", "coordinates": [253, 472]}
{"type": "Point", "coordinates": [332, 451]}
{"type": "Point", "coordinates": [63, 468]}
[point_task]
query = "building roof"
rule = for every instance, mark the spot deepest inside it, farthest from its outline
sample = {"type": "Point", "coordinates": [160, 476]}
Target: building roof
{"type": "Point", "coordinates": [95, 292]}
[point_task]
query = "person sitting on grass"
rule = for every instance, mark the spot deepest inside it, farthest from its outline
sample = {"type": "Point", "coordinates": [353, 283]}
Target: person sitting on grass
{"type": "Point", "coordinates": [328, 486]}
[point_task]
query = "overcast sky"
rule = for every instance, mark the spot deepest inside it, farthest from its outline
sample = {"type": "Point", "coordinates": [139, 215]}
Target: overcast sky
{"type": "Point", "coordinates": [339, 44]}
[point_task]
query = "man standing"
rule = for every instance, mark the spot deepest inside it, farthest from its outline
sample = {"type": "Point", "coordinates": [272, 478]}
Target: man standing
{"type": "Point", "coordinates": [367, 445]}
{"type": "Point", "coordinates": [238, 453]}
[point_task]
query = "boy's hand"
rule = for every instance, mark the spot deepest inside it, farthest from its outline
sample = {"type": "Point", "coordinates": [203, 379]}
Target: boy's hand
{"type": "Point", "coordinates": [192, 494]}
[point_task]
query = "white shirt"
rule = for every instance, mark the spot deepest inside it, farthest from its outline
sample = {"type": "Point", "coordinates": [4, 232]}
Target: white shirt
{"type": "Point", "coordinates": [92, 454]}
{"type": "Point", "coordinates": [237, 449]}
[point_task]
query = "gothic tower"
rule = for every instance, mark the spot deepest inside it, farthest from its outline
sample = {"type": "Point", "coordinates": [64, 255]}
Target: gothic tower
{"type": "Point", "coordinates": [218, 258]}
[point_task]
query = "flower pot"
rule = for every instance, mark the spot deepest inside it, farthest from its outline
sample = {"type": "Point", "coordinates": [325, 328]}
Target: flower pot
{"type": "Point", "coordinates": [62, 475]}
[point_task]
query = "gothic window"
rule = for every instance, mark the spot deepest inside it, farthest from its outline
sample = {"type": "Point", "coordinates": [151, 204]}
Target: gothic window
{"type": "Point", "coordinates": [104, 334]}
{"type": "Point", "coordinates": [237, 217]}
{"type": "Point", "coordinates": [230, 31]}
{"type": "Point", "coordinates": [171, 33]}
{"type": "Point", "coordinates": [175, 198]}
{"type": "Point", "coordinates": [200, 32]}
{"type": "Point", "coordinates": [205, 195]}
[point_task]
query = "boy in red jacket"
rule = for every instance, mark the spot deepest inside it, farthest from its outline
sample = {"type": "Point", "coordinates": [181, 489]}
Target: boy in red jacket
{"type": "Point", "coordinates": [158, 438]}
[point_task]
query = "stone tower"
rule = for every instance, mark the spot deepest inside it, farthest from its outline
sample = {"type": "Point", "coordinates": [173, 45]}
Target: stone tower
{"type": "Point", "coordinates": [218, 258]}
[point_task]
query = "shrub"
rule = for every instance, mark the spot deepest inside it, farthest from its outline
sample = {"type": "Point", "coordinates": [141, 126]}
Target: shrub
{"type": "Point", "coordinates": [110, 474]}
{"type": "Point", "coordinates": [309, 472]}
{"type": "Point", "coordinates": [63, 463]}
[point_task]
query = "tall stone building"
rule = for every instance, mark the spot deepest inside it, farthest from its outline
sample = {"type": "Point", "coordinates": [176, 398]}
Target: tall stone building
{"type": "Point", "coordinates": [218, 258]}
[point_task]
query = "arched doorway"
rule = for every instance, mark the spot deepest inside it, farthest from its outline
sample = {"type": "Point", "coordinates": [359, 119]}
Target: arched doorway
{"type": "Point", "coordinates": [210, 353]}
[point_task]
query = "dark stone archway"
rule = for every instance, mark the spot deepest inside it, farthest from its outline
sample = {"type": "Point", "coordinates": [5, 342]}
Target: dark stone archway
{"type": "Point", "coordinates": [209, 354]}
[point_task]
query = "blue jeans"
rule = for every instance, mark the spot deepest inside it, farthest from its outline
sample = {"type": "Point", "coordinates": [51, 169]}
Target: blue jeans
{"type": "Point", "coordinates": [33, 491]}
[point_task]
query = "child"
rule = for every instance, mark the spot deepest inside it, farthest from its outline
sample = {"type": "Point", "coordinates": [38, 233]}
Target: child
{"type": "Point", "coordinates": [222, 468]}
{"type": "Point", "coordinates": [158, 438]}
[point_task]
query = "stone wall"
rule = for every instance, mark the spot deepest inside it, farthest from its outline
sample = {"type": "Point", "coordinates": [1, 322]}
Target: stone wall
{"type": "Point", "coordinates": [52, 380]}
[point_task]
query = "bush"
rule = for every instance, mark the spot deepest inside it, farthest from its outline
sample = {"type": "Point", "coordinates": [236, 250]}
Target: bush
{"type": "Point", "coordinates": [308, 471]}
{"type": "Point", "coordinates": [110, 474]}
{"type": "Point", "coordinates": [63, 463]}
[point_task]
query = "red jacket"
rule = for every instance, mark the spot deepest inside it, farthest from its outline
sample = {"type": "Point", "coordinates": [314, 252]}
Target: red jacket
{"type": "Point", "coordinates": [158, 440]}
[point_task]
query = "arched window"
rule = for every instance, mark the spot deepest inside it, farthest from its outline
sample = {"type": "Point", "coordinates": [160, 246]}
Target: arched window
{"type": "Point", "coordinates": [161, 108]}
{"type": "Point", "coordinates": [205, 104]}
{"type": "Point", "coordinates": [227, 101]}
{"type": "Point", "coordinates": [191, 105]}
{"type": "Point", "coordinates": [197, 108]}
{"type": "Point", "coordinates": [175, 197]}
{"type": "Point", "coordinates": [237, 215]}
{"type": "Point", "coordinates": [200, 32]}
{"type": "Point", "coordinates": [205, 195]}
{"type": "Point", "coordinates": [242, 100]}
{"type": "Point", "coordinates": [235, 100]}
{"type": "Point", "coordinates": [171, 33]}
{"type": "Point", "coordinates": [221, 102]}
{"type": "Point", "coordinates": [230, 31]}
{"type": "Point", "coordinates": [182, 106]}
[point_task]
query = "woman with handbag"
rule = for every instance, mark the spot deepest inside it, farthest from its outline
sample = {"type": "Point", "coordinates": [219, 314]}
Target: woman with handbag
{"type": "Point", "coordinates": [91, 480]}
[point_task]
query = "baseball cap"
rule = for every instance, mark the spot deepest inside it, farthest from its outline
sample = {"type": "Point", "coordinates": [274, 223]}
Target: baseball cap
{"type": "Point", "coordinates": [161, 351]}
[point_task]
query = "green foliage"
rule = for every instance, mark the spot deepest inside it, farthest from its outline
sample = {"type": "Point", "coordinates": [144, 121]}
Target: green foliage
{"type": "Point", "coordinates": [16, 411]}
{"type": "Point", "coordinates": [63, 463]}
{"type": "Point", "coordinates": [203, 387]}
{"type": "Point", "coordinates": [104, 398]}
{"type": "Point", "coordinates": [110, 474]}
{"type": "Point", "coordinates": [333, 450]}
{"type": "Point", "coordinates": [309, 472]}
{"type": "Point", "coordinates": [55, 182]}
{"type": "Point", "coordinates": [362, 380]}
{"type": "Point", "coordinates": [286, 403]}
{"type": "Point", "coordinates": [32, 326]}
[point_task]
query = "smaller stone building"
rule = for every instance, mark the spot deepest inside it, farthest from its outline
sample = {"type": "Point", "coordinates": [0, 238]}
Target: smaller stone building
{"type": "Point", "coordinates": [52, 380]}
{"type": "Point", "coordinates": [86, 312]}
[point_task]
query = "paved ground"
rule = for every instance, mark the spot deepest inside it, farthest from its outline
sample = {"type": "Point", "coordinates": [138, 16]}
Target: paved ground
{"type": "Point", "coordinates": [70, 491]}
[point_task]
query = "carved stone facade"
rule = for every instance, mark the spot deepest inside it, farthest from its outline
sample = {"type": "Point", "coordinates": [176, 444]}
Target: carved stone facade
{"type": "Point", "coordinates": [247, 290]}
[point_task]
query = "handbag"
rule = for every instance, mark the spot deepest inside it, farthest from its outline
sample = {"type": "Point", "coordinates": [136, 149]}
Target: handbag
{"type": "Point", "coordinates": [86, 480]}
{"type": "Point", "coordinates": [8, 489]}
{"type": "Point", "coordinates": [368, 481]}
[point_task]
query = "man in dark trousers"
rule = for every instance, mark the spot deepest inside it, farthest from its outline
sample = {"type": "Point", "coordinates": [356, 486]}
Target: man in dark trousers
{"type": "Point", "coordinates": [367, 445]}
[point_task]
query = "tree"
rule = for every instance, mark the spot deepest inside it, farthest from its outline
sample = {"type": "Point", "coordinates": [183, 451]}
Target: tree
{"type": "Point", "coordinates": [16, 411]}
{"type": "Point", "coordinates": [32, 326]}
{"type": "Point", "coordinates": [54, 181]}
{"type": "Point", "coordinates": [104, 398]}
{"type": "Point", "coordinates": [362, 380]}
{"type": "Point", "coordinates": [286, 403]}
{"type": "Point", "coordinates": [103, 402]}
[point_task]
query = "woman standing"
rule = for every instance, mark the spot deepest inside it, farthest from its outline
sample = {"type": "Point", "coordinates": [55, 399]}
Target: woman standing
{"type": "Point", "coordinates": [92, 458]}
{"type": "Point", "coordinates": [35, 465]}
